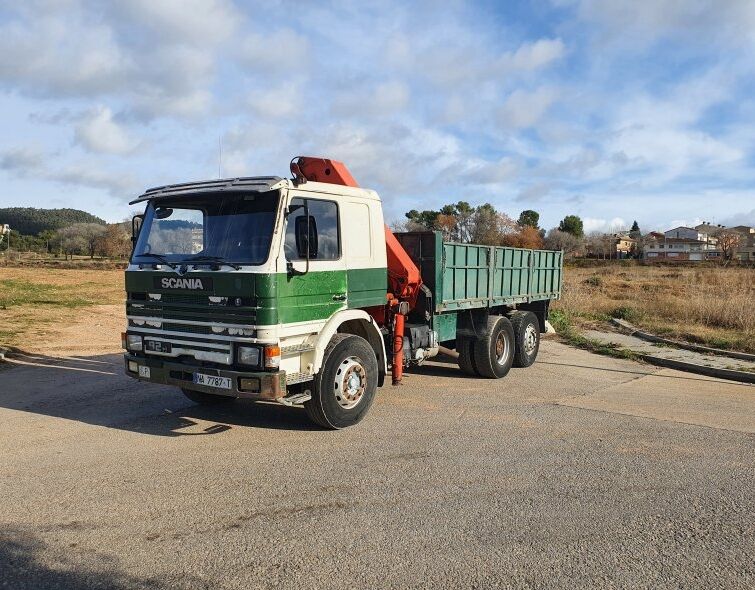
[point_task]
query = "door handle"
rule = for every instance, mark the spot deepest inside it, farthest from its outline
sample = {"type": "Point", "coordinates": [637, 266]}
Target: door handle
{"type": "Point", "coordinates": [339, 297]}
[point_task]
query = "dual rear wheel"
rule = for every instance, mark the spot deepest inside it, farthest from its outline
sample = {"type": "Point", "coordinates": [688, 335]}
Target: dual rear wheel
{"type": "Point", "coordinates": [508, 341]}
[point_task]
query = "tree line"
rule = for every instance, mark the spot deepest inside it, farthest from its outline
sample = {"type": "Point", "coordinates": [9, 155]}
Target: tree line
{"type": "Point", "coordinates": [484, 224]}
{"type": "Point", "coordinates": [111, 240]}
{"type": "Point", "coordinates": [31, 221]}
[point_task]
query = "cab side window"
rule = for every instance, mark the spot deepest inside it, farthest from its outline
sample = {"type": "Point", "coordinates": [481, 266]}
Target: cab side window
{"type": "Point", "coordinates": [323, 240]}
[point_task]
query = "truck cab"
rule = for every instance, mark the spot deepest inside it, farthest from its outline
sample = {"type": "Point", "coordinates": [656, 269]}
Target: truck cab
{"type": "Point", "coordinates": [236, 287]}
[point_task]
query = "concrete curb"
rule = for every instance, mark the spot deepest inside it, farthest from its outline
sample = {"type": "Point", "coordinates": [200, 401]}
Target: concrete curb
{"type": "Point", "coordinates": [685, 345]}
{"type": "Point", "coordinates": [741, 376]}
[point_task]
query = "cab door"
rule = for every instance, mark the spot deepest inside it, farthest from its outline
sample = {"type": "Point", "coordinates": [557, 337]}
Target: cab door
{"type": "Point", "coordinates": [313, 286]}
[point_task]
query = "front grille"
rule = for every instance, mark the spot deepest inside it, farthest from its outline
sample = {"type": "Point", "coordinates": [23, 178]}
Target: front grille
{"type": "Point", "coordinates": [186, 298]}
{"type": "Point", "coordinates": [187, 328]}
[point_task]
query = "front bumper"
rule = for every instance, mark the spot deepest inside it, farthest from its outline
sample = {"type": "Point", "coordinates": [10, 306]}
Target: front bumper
{"type": "Point", "coordinates": [270, 385]}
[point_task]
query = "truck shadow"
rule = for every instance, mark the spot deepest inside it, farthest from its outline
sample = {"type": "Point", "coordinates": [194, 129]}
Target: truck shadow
{"type": "Point", "coordinates": [94, 390]}
{"type": "Point", "coordinates": [27, 562]}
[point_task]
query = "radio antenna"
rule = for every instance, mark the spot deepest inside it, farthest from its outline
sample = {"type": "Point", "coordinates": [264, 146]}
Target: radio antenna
{"type": "Point", "coordinates": [220, 157]}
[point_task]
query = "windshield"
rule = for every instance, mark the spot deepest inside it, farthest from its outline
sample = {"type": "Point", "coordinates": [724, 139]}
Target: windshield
{"type": "Point", "coordinates": [232, 228]}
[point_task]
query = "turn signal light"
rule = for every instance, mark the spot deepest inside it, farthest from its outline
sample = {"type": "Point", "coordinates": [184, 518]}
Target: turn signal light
{"type": "Point", "coordinates": [272, 356]}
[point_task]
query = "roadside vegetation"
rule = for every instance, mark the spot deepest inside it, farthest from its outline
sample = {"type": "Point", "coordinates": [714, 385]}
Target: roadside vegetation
{"type": "Point", "coordinates": [709, 305]}
{"type": "Point", "coordinates": [34, 301]}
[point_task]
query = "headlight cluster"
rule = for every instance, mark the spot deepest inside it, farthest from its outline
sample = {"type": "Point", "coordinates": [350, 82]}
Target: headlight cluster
{"type": "Point", "coordinates": [253, 356]}
{"type": "Point", "coordinates": [134, 342]}
{"type": "Point", "coordinates": [248, 355]}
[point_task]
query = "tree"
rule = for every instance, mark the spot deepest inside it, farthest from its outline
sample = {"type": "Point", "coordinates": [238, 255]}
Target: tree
{"type": "Point", "coordinates": [81, 238]}
{"type": "Point", "coordinates": [525, 237]}
{"type": "Point", "coordinates": [556, 239]}
{"type": "Point", "coordinates": [486, 226]}
{"type": "Point", "coordinates": [70, 240]}
{"type": "Point", "coordinates": [422, 219]}
{"type": "Point", "coordinates": [728, 241]}
{"type": "Point", "coordinates": [116, 241]}
{"type": "Point", "coordinates": [530, 218]}
{"type": "Point", "coordinates": [572, 224]}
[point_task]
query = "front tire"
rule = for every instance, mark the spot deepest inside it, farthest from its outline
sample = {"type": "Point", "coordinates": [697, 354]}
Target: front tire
{"type": "Point", "coordinates": [493, 354]}
{"type": "Point", "coordinates": [206, 399]}
{"type": "Point", "coordinates": [345, 386]}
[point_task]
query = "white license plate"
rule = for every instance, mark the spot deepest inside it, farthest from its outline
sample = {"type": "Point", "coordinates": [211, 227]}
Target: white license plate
{"type": "Point", "coordinates": [143, 371]}
{"type": "Point", "coordinates": [212, 381]}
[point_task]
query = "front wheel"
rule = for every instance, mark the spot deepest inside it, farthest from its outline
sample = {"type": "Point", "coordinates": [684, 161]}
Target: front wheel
{"type": "Point", "coordinates": [345, 387]}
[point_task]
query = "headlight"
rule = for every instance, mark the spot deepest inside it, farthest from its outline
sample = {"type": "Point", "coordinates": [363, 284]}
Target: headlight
{"type": "Point", "coordinates": [248, 355]}
{"type": "Point", "coordinates": [134, 342]}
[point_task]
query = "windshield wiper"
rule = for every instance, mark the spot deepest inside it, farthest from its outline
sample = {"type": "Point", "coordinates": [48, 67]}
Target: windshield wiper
{"type": "Point", "coordinates": [160, 258]}
{"type": "Point", "coordinates": [211, 259]}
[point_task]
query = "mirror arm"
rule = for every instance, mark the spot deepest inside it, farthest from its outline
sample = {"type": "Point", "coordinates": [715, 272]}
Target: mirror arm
{"type": "Point", "coordinates": [293, 272]}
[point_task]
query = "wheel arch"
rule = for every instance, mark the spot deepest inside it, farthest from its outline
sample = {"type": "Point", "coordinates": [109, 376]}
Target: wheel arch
{"type": "Point", "coordinates": [356, 322]}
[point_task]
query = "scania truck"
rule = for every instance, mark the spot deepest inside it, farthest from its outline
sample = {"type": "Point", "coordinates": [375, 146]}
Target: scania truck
{"type": "Point", "coordinates": [295, 291]}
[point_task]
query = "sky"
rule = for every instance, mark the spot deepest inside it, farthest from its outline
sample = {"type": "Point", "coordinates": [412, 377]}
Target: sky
{"type": "Point", "coordinates": [614, 111]}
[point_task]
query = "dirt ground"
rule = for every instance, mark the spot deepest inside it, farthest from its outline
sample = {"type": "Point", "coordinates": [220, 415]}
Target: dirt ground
{"type": "Point", "coordinates": [61, 312]}
{"type": "Point", "coordinates": [90, 331]}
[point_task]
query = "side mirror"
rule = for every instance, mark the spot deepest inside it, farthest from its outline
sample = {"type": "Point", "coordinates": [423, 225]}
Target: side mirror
{"type": "Point", "coordinates": [306, 237]}
{"type": "Point", "coordinates": [294, 208]}
{"type": "Point", "coordinates": [163, 212]}
{"type": "Point", "coordinates": [136, 226]}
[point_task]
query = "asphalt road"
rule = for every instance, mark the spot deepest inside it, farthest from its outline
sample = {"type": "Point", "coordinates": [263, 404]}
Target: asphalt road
{"type": "Point", "coordinates": [582, 471]}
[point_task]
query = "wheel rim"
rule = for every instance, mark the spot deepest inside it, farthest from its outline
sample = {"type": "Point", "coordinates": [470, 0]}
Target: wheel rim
{"type": "Point", "coordinates": [501, 348]}
{"type": "Point", "coordinates": [350, 383]}
{"type": "Point", "coordinates": [530, 339]}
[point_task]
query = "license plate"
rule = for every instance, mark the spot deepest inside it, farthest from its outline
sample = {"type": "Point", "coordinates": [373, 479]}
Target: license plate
{"type": "Point", "coordinates": [157, 346]}
{"type": "Point", "coordinates": [212, 381]}
{"type": "Point", "coordinates": [143, 371]}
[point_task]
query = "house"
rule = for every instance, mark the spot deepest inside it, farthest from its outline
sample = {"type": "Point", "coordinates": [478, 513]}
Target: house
{"type": "Point", "coordinates": [618, 245]}
{"type": "Point", "coordinates": [688, 233]}
{"type": "Point", "coordinates": [625, 245]}
{"type": "Point", "coordinates": [745, 251]}
{"type": "Point", "coordinates": [678, 249]}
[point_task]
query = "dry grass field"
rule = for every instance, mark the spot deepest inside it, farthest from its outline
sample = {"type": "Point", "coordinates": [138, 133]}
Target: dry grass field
{"type": "Point", "coordinates": [39, 305]}
{"type": "Point", "coordinates": [708, 304]}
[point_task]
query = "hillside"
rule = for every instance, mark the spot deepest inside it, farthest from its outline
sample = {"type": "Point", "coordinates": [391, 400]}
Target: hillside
{"type": "Point", "coordinates": [31, 221]}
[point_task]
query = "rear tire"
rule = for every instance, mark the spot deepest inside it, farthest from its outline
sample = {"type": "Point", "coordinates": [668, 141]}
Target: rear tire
{"type": "Point", "coordinates": [526, 337]}
{"type": "Point", "coordinates": [345, 387]}
{"type": "Point", "coordinates": [464, 346]}
{"type": "Point", "coordinates": [206, 399]}
{"type": "Point", "coordinates": [493, 354]}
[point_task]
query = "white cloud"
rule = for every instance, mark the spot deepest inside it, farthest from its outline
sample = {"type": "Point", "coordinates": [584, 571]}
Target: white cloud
{"type": "Point", "coordinates": [388, 98]}
{"type": "Point", "coordinates": [275, 103]}
{"type": "Point", "coordinates": [532, 56]}
{"type": "Point", "coordinates": [728, 21]}
{"type": "Point", "coordinates": [592, 224]}
{"type": "Point", "coordinates": [49, 56]}
{"type": "Point", "coordinates": [524, 109]}
{"type": "Point", "coordinates": [187, 21]}
{"type": "Point", "coordinates": [98, 133]}
{"type": "Point", "coordinates": [283, 51]}
{"type": "Point", "coordinates": [21, 160]}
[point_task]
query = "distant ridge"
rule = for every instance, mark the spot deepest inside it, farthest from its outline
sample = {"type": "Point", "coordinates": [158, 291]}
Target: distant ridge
{"type": "Point", "coordinates": [31, 221]}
